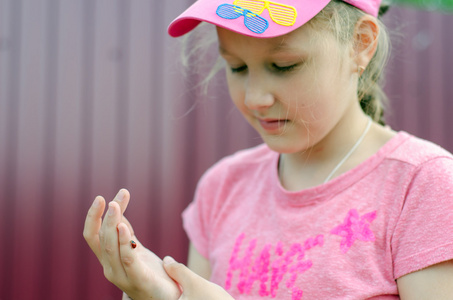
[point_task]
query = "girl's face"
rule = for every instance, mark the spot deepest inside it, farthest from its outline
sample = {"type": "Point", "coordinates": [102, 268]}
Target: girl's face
{"type": "Point", "coordinates": [295, 90]}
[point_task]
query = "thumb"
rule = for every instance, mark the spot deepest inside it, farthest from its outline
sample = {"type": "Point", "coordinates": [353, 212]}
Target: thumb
{"type": "Point", "coordinates": [186, 278]}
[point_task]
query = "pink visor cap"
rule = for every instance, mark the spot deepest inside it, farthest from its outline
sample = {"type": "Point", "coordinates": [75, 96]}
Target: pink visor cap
{"type": "Point", "coordinates": [257, 18]}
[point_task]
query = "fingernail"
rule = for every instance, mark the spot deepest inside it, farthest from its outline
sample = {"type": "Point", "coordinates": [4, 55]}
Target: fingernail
{"type": "Point", "coordinates": [96, 202]}
{"type": "Point", "coordinates": [169, 260]}
{"type": "Point", "coordinates": [110, 211]}
{"type": "Point", "coordinates": [120, 195]}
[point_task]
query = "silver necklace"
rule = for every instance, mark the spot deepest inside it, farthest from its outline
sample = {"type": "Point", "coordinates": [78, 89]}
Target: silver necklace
{"type": "Point", "coordinates": [359, 141]}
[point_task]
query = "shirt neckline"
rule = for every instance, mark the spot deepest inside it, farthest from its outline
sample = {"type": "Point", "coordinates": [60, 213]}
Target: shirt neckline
{"type": "Point", "coordinates": [326, 190]}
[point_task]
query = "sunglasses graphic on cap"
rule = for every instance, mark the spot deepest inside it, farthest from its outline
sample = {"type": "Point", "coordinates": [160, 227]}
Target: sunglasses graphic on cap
{"type": "Point", "coordinates": [252, 21]}
{"type": "Point", "coordinates": [280, 13]}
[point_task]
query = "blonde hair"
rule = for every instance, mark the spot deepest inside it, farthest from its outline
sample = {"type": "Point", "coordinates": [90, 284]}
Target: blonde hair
{"type": "Point", "coordinates": [199, 54]}
{"type": "Point", "coordinates": [340, 19]}
{"type": "Point", "coordinates": [337, 17]}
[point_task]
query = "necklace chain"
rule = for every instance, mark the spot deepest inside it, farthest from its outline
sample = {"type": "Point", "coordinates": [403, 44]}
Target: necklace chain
{"type": "Point", "coordinates": [359, 141]}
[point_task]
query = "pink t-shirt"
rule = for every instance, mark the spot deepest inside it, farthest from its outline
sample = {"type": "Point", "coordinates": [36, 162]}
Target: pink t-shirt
{"type": "Point", "coordinates": [347, 239]}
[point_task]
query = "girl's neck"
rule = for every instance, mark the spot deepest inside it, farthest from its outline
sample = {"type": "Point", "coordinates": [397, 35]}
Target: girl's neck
{"type": "Point", "coordinates": [299, 171]}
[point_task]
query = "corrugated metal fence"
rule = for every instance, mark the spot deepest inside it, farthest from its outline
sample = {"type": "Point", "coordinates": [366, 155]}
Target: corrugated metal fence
{"type": "Point", "coordinates": [92, 100]}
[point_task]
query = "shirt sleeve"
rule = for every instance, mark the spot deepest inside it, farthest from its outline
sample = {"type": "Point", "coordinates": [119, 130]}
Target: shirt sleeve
{"type": "Point", "coordinates": [199, 216]}
{"type": "Point", "coordinates": [423, 234]}
{"type": "Point", "coordinates": [194, 222]}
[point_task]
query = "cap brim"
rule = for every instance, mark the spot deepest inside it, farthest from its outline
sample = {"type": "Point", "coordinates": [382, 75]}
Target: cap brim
{"type": "Point", "coordinates": [206, 11]}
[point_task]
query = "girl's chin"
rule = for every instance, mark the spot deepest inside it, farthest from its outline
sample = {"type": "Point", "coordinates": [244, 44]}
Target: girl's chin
{"type": "Point", "coordinates": [282, 145]}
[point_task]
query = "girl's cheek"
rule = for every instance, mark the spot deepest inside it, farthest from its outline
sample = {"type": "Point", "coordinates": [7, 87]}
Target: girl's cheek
{"type": "Point", "coordinates": [237, 95]}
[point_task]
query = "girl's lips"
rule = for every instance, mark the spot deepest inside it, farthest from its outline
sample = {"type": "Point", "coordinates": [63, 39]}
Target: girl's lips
{"type": "Point", "coordinates": [272, 124]}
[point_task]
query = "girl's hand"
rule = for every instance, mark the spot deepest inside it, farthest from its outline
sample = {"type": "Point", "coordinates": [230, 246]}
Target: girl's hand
{"type": "Point", "coordinates": [138, 272]}
{"type": "Point", "coordinates": [193, 286]}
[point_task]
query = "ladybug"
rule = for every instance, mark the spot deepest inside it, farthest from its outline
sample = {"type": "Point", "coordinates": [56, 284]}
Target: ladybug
{"type": "Point", "coordinates": [133, 244]}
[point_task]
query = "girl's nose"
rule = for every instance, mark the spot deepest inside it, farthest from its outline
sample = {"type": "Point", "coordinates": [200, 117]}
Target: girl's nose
{"type": "Point", "coordinates": [258, 95]}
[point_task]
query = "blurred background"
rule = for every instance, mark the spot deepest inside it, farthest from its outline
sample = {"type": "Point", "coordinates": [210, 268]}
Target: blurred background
{"type": "Point", "coordinates": [93, 99]}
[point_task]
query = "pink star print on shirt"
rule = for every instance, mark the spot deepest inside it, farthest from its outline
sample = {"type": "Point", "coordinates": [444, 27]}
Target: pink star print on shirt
{"type": "Point", "coordinates": [355, 227]}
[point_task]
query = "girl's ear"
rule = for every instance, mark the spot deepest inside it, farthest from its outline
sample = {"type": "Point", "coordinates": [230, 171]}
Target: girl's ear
{"type": "Point", "coordinates": [366, 34]}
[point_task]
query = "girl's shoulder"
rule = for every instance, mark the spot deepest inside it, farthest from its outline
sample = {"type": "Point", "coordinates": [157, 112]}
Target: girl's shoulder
{"type": "Point", "coordinates": [416, 151]}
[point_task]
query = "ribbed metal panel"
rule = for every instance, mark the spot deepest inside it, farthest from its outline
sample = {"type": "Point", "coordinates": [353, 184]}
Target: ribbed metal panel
{"type": "Point", "coordinates": [92, 100]}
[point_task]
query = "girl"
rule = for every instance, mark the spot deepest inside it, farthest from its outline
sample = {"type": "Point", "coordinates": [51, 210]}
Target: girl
{"type": "Point", "coordinates": [332, 205]}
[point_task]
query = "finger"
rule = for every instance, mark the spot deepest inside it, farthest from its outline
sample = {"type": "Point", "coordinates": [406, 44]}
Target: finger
{"type": "Point", "coordinates": [144, 269]}
{"type": "Point", "coordinates": [122, 198]}
{"type": "Point", "coordinates": [128, 224]}
{"type": "Point", "coordinates": [128, 252]}
{"type": "Point", "coordinates": [125, 239]}
{"type": "Point", "coordinates": [182, 275]}
{"type": "Point", "coordinates": [109, 242]}
{"type": "Point", "coordinates": [93, 223]}
{"type": "Point", "coordinates": [193, 285]}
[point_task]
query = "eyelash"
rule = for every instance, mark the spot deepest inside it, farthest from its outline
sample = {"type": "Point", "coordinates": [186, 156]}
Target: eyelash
{"type": "Point", "coordinates": [238, 70]}
{"type": "Point", "coordinates": [274, 66]}
{"type": "Point", "coordinates": [285, 68]}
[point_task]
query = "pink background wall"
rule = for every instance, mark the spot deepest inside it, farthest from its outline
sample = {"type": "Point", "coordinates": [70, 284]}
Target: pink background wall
{"type": "Point", "coordinates": [92, 99]}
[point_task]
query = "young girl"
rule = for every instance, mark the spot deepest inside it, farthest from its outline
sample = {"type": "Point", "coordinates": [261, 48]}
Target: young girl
{"type": "Point", "coordinates": [333, 205]}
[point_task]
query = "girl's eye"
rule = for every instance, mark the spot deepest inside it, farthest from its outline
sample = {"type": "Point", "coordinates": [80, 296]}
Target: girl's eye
{"type": "Point", "coordinates": [238, 69]}
{"type": "Point", "coordinates": [284, 68]}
